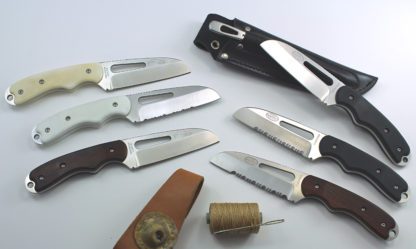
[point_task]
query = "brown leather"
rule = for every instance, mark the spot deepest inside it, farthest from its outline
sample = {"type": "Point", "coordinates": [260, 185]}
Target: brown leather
{"type": "Point", "coordinates": [174, 199]}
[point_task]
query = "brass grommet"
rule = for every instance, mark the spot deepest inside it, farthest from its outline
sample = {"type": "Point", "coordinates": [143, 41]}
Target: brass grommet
{"type": "Point", "coordinates": [155, 230]}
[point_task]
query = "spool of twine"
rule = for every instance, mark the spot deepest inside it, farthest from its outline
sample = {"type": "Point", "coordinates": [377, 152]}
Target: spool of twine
{"type": "Point", "coordinates": [234, 218]}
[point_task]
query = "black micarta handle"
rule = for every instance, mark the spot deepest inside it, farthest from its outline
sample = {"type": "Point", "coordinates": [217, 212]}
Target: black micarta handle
{"type": "Point", "coordinates": [88, 160]}
{"type": "Point", "coordinates": [340, 200]}
{"type": "Point", "coordinates": [366, 115]}
{"type": "Point", "coordinates": [358, 162]}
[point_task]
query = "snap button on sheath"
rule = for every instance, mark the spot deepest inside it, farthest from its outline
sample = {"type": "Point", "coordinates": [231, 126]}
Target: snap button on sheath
{"type": "Point", "coordinates": [155, 230]}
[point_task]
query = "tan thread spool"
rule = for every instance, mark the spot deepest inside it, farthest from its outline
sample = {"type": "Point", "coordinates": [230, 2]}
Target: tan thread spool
{"type": "Point", "coordinates": [234, 218]}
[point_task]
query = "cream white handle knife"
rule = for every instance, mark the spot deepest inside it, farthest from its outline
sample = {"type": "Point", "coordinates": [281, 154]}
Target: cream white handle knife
{"type": "Point", "coordinates": [136, 108]}
{"type": "Point", "coordinates": [332, 91]}
{"type": "Point", "coordinates": [108, 75]}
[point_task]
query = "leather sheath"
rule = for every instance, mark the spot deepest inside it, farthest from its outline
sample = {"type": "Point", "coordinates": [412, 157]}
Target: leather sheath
{"type": "Point", "coordinates": [247, 55]}
{"type": "Point", "coordinates": [167, 208]}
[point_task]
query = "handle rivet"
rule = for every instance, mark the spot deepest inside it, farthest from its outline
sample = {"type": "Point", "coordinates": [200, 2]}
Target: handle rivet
{"type": "Point", "coordinates": [67, 118]}
{"type": "Point", "coordinates": [316, 186]}
{"type": "Point", "coordinates": [351, 97]}
{"type": "Point", "coordinates": [383, 224]}
{"type": "Point", "coordinates": [41, 178]}
{"type": "Point", "coordinates": [41, 81]}
{"type": "Point", "coordinates": [115, 104]}
{"type": "Point", "coordinates": [363, 209]}
{"type": "Point", "coordinates": [378, 171]}
{"type": "Point", "coordinates": [247, 28]}
{"type": "Point", "coordinates": [224, 56]}
{"type": "Point", "coordinates": [47, 129]}
{"type": "Point", "coordinates": [20, 91]}
{"type": "Point", "coordinates": [334, 146]}
{"type": "Point", "coordinates": [62, 165]}
{"type": "Point", "coordinates": [399, 149]}
{"type": "Point", "coordinates": [88, 70]}
{"type": "Point", "coordinates": [386, 130]}
{"type": "Point", "coordinates": [396, 187]}
{"type": "Point", "coordinates": [240, 46]}
{"type": "Point", "coordinates": [112, 150]}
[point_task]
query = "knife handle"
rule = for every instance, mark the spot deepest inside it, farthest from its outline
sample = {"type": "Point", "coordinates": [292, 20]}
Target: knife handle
{"type": "Point", "coordinates": [92, 114]}
{"type": "Point", "coordinates": [367, 116]}
{"type": "Point", "coordinates": [340, 200]}
{"type": "Point", "coordinates": [88, 160]}
{"type": "Point", "coordinates": [355, 161]}
{"type": "Point", "coordinates": [66, 78]}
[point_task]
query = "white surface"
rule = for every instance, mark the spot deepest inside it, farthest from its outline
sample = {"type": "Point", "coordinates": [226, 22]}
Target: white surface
{"type": "Point", "coordinates": [377, 37]}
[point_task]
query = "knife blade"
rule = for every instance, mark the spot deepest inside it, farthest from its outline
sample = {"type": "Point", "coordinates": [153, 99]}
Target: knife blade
{"type": "Point", "coordinates": [136, 108]}
{"type": "Point", "coordinates": [108, 75]}
{"type": "Point", "coordinates": [294, 186]}
{"type": "Point", "coordinates": [332, 91]}
{"type": "Point", "coordinates": [133, 153]}
{"type": "Point", "coordinates": [313, 144]}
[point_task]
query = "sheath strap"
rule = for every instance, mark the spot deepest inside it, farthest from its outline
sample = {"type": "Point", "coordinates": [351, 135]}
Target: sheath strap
{"type": "Point", "coordinates": [158, 224]}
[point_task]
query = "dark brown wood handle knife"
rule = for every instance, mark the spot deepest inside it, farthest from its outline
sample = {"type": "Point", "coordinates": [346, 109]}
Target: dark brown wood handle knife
{"type": "Point", "coordinates": [340, 200]}
{"type": "Point", "coordinates": [88, 160]}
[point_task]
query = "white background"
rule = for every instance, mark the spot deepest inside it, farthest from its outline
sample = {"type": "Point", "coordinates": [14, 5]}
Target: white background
{"type": "Point", "coordinates": [376, 37]}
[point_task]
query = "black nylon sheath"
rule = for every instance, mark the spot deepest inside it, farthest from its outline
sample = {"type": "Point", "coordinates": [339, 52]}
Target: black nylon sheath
{"type": "Point", "coordinates": [249, 56]}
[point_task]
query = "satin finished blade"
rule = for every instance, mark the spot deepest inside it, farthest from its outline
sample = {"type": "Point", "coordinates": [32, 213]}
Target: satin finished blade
{"type": "Point", "coordinates": [269, 176]}
{"type": "Point", "coordinates": [167, 101]}
{"type": "Point", "coordinates": [304, 141]}
{"type": "Point", "coordinates": [125, 73]}
{"type": "Point", "coordinates": [165, 145]}
{"type": "Point", "coordinates": [302, 69]}
{"type": "Point", "coordinates": [132, 153]}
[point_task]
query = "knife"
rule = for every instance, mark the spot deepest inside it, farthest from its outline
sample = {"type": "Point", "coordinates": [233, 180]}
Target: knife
{"type": "Point", "coordinates": [108, 75]}
{"type": "Point", "coordinates": [313, 144]}
{"type": "Point", "coordinates": [294, 186]}
{"type": "Point", "coordinates": [133, 153]}
{"type": "Point", "coordinates": [136, 108]}
{"type": "Point", "coordinates": [332, 91]}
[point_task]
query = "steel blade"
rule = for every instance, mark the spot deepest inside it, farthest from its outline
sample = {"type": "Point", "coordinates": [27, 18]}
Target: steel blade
{"type": "Point", "coordinates": [269, 176]}
{"type": "Point", "coordinates": [124, 73]}
{"type": "Point", "coordinates": [276, 127]}
{"type": "Point", "coordinates": [160, 146]}
{"type": "Point", "coordinates": [294, 62]}
{"type": "Point", "coordinates": [167, 101]}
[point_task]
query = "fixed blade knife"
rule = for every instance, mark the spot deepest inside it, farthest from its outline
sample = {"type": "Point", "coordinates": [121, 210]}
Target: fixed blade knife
{"type": "Point", "coordinates": [313, 144]}
{"type": "Point", "coordinates": [108, 75]}
{"type": "Point", "coordinates": [294, 185]}
{"type": "Point", "coordinates": [332, 91]}
{"type": "Point", "coordinates": [132, 153]}
{"type": "Point", "coordinates": [136, 108]}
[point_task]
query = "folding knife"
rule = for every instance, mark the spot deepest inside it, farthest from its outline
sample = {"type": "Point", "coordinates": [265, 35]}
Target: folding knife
{"type": "Point", "coordinates": [136, 108]}
{"type": "Point", "coordinates": [132, 153]}
{"type": "Point", "coordinates": [332, 91]}
{"type": "Point", "coordinates": [294, 186]}
{"type": "Point", "coordinates": [313, 144]}
{"type": "Point", "coordinates": [108, 75]}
